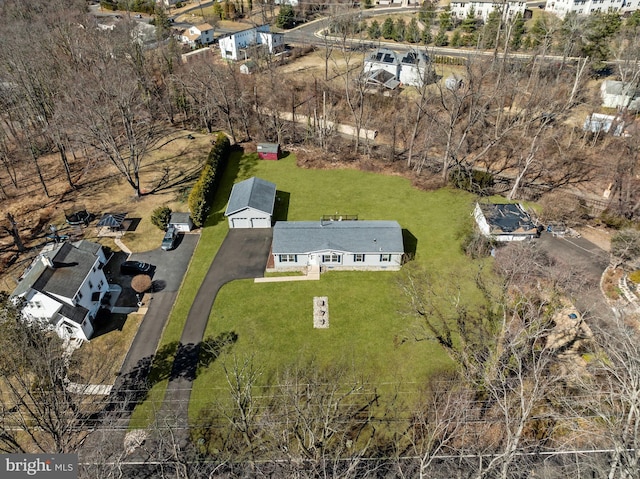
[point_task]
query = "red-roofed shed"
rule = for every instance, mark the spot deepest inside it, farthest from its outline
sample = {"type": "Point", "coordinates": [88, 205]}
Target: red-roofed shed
{"type": "Point", "coordinates": [269, 151]}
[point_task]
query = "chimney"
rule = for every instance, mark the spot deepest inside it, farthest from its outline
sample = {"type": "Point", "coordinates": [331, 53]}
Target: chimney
{"type": "Point", "coordinates": [46, 261]}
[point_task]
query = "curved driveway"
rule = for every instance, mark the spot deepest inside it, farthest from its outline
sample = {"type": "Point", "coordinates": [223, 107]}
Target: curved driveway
{"type": "Point", "coordinates": [243, 254]}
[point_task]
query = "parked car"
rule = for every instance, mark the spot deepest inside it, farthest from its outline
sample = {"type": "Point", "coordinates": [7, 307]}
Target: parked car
{"type": "Point", "coordinates": [169, 240]}
{"type": "Point", "coordinates": [135, 267]}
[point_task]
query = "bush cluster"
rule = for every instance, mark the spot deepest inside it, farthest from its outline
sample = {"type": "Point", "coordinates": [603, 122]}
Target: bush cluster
{"type": "Point", "coordinates": [161, 216]}
{"type": "Point", "coordinates": [203, 192]}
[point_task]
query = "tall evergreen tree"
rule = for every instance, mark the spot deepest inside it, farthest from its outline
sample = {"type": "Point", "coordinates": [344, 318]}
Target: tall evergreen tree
{"type": "Point", "coordinates": [388, 29]}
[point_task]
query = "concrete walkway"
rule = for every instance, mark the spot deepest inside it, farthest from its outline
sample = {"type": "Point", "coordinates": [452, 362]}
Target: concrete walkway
{"type": "Point", "coordinates": [313, 274]}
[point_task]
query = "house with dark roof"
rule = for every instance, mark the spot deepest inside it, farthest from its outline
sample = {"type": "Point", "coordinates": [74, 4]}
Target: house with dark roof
{"type": "Point", "coordinates": [251, 204]}
{"type": "Point", "coordinates": [384, 67]}
{"type": "Point", "coordinates": [63, 288]}
{"type": "Point", "coordinates": [334, 244]}
{"type": "Point", "coordinates": [504, 222]}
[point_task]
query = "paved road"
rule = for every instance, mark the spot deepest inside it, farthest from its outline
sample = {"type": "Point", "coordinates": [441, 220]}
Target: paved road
{"type": "Point", "coordinates": [589, 261]}
{"type": "Point", "coordinates": [243, 254]}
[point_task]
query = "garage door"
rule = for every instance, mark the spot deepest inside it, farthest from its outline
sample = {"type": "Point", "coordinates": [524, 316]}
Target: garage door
{"type": "Point", "coordinates": [260, 223]}
{"type": "Point", "coordinates": [241, 223]}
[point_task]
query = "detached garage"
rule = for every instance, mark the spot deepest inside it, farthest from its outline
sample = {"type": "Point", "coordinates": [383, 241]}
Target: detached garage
{"type": "Point", "coordinates": [251, 204]}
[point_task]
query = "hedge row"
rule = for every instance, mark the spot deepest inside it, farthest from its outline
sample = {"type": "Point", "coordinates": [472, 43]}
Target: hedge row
{"type": "Point", "coordinates": [203, 192]}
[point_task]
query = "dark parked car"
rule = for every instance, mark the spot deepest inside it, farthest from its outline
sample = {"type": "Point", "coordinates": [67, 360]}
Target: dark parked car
{"type": "Point", "coordinates": [135, 267]}
{"type": "Point", "coordinates": [169, 240]}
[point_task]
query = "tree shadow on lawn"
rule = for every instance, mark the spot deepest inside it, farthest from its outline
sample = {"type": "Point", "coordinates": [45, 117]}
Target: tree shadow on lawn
{"type": "Point", "coordinates": [172, 361]}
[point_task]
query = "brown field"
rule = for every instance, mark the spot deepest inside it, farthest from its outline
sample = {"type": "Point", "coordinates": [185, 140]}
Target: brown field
{"type": "Point", "coordinates": [100, 189]}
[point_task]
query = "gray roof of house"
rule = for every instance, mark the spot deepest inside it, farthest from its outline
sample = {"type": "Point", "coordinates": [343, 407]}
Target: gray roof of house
{"type": "Point", "coordinates": [71, 265]}
{"type": "Point", "coordinates": [299, 237]}
{"type": "Point", "coordinates": [507, 218]}
{"type": "Point", "coordinates": [179, 218]}
{"type": "Point", "coordinates": [75, 314]}
{"type": "Point", "coordinates": [253, 193]}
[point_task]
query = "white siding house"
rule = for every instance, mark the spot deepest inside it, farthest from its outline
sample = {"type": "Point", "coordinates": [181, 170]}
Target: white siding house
{"type": "Point", "coordinates": [587, 7]}
{"type": "Point", "coordinates": [388, 68]}
{"type": "Point", "coordinates": [504, 222]}
{"type": "Point", "coordinates": [234, 46]}
{"type": "Point", "coordinates": [482, 8]}
{"type": "Point", "coordinates": [63, 288]}
{"type": "Point", "coordinates": [346, 245]}
{"type": "Point", "coordinates": [198, 35]}
{"type": "Point", "coordinates": [251, 204]}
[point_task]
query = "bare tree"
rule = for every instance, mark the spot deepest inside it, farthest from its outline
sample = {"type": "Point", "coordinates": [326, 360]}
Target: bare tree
{"type": "Point", "coordinates": [40, 409]}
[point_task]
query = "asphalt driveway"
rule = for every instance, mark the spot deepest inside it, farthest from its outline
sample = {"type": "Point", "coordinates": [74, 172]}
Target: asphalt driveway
{"type": "Point", "coordinates": [243, 254]}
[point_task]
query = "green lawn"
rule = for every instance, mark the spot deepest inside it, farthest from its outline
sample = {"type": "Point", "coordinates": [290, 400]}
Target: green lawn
{"type": "Point", "coordinates": [273, 321]}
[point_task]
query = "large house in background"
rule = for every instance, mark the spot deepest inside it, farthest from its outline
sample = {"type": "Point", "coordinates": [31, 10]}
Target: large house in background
{"type": "Point", "coordinates": [198, 35]}
{"type": "Point", "coordinates": [235, 45]}
{"type": "Point", "coordinates": [586, 7]}
{"type": "Point", "coordinates": [346, 245]}
{"type": "Point", "coordinates": [64, 287]}
{"type": "Point", "coordinates": [482, 8]}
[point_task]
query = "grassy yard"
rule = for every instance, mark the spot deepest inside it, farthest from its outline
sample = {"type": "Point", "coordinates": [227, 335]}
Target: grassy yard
{"type": "Point", "coordinates": [273, 321]}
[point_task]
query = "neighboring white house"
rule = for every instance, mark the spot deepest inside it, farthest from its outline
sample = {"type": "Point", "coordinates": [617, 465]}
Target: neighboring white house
{"type": "Point", "coordinates": [167, 3]}
{"type": "Point", "coordinates": [601, 123]}
{"type": "Point", "coordinates": [63, 288]}
{"type": "Point", "coordinates": [482, 8]}
{"type": "Point", "coordinates": [181, 221]}
{"type": "Point", "coordinates": [617, 94]}
{"type": "Point", "coordinates": [587, 7]}
{"type": "Point", "coordinates": [251, 204]}
{"type": "Point", "coordinates": [293, 3]}
{"type": "Point", "coordinates": [387, 68]}
{"type": "Point", "coordinates": [403, 3]}
{"type": "Point", "coordinates": [198, 35]}
{"type": "Point", "coordinates": [347, 245]}
{"type": "Point", "coordinates": [504, 222]}
{"type": "Point", "coordinates": [234, 46]}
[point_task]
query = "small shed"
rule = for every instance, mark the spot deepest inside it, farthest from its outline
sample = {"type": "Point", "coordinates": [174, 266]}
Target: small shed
{"type": "Point", "coordinates": [181, 221]}
{"type": "Point", "coordinates": [268, 151]}
{"type": "Point", "coordinates": [248, 67]}
{"type": "Point", "coordinates": [251, 204]}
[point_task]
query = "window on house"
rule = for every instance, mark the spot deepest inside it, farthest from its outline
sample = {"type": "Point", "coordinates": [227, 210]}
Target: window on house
{"type": "Point", "coordinates": [79, 294]}
{"type": "Point", "coordinates": [90, 285]}
{"type": "Point", "coordinates": [100, 284]}
{"type": "Point", "coordinates": [385, 258]}
{"type": "Point", "coordinates": [358, 258]}
{"type": "Point", "coordinates": [37, 304]}
{"type": "Point", "coordinates": [331, 258]}
{"type": "Point", "coordinates": [288, 258]}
